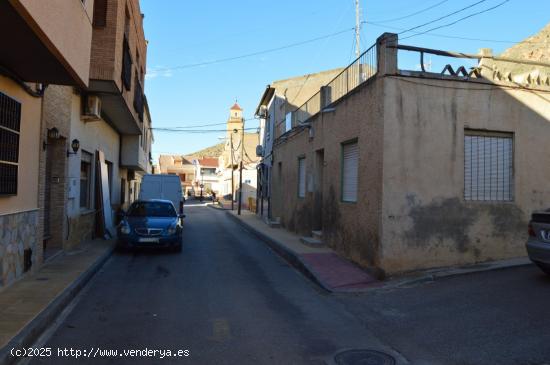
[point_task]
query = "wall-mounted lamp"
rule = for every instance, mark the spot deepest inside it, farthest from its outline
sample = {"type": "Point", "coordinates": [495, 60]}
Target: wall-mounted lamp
{"type": "Point", "coordinates": [75, 145]}
{"type": "Point", "coordinates": [53, 133]}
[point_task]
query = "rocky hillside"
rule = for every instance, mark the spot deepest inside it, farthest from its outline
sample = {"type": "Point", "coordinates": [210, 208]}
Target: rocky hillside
{"type": "Point", "coordinates": [535, 48]}
{"type": "Point", "coordinates": [212, 151]}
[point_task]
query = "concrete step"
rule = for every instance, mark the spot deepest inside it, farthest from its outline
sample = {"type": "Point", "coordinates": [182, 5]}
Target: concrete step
{"type": "Point", "coordinates": [312, 242]}
{"type": "Point", "coordinates": [274, 223]}
{"type": "Point", "coordinates": [317, 234]}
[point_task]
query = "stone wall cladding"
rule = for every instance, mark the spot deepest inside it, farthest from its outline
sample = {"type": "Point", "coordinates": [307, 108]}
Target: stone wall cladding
{"type": "Point", "coordinates": [18, 231]}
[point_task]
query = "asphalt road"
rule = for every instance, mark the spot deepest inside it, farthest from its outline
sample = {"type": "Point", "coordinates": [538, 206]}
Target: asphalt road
{"type": "Point", "coordinates": [228, 299]}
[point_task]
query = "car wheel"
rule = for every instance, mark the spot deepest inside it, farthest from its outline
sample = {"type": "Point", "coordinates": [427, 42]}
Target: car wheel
{"type": "Point", "coordinates": [544, 267]}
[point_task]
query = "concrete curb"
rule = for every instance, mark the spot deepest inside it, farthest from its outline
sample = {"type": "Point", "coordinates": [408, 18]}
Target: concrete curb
{"type": "Point", "coordinates": [434, 275]}
{"type": "Point", "coordinates": [288, 255]}
{"type": "Point", "coordinates": [32, 331]}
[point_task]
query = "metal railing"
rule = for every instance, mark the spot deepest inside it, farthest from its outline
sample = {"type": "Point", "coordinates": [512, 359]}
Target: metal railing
{"type": "Point", "coordinates": [359, 71]}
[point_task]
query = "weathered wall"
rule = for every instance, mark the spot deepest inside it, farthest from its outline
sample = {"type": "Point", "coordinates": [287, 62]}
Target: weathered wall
{"type": "Point", "coordinates": [426, 221]}
{"type": "Point", "coordinates": [350, 228]}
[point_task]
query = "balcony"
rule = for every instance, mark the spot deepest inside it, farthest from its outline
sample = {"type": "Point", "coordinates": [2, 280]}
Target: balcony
{"type": "Point", "coordinates": [117, 65]}
{"type": "Point", "coordinates": [38, 47]}
{"type": "Point", "coordinates": [132, 155]}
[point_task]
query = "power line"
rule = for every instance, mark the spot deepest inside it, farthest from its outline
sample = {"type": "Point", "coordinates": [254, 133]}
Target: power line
{"type": "Point", "coordinates": [200, 125]}
{"type": "Point", "coordinates": [191, 65]}
{"type": "Point", "coordinates": [443, 17]}
{"type": "Point", "coordinates": [412, 14]}
{"type": "Point", "coordinates": [454, 37]}
{"type": "Point", "coordinates": [459, 20]}
{"type": "Point", "coordinates": [196, 130]}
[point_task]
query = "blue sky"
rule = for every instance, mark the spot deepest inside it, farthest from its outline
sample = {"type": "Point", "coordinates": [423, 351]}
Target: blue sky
{"type": "Point", "coordinates": [183, 33]}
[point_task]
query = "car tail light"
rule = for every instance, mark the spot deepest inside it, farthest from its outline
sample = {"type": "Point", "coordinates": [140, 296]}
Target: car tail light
{"type": "Point", "coordinates": [531, 231]}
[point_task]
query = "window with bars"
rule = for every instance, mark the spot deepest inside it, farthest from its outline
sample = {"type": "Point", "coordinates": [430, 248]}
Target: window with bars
{"type": "Point", "coordinates": [301, 177]}
{"type": "Point", "coordinates": [10, 124]}
{"type": "Point", "coordinates": [488, 166]}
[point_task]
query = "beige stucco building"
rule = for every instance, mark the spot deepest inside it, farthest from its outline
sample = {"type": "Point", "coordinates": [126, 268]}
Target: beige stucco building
{"type": "Point", "coordinates": [54, 53]}
{"type": "Point", "coordinates": [404, 170]}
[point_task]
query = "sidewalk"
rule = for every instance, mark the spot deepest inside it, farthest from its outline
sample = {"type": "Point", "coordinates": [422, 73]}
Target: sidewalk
{"type": "Point", "coordinates": [31, 304]}
{"type": "Point", "coordinates": [320, 264]}
{"type": "Point", "coordinates": [336, 274]}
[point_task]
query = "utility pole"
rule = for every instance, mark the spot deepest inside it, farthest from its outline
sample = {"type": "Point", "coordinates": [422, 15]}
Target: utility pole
{"type": "Point", "coordinates": [357, 29]}
{"type": "Point", "coordinates": [241, 171]}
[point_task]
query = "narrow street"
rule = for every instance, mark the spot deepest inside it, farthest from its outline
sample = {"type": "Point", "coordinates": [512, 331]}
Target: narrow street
{"type": "Point", "coordinates": [228, 299]}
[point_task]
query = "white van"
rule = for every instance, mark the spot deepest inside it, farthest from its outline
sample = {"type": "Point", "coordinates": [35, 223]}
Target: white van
{"type": "Point", "coordinates": [162, 187]}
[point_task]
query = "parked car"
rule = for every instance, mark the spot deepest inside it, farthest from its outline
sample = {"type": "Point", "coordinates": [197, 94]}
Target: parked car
{"type": "Point", "coordinates": [162, 187]}
{"type": "Point", "coordinates": [538, 243]}
{"type": "Point", "coordinates": [150, 223]}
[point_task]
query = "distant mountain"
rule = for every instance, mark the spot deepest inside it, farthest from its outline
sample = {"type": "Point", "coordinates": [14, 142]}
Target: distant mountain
{"type": "Point", "coordinates": [212, 151]}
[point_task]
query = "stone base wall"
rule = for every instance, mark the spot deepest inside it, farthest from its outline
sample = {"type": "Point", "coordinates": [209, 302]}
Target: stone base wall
{"type": "Point", "coordinates": [18, 232]}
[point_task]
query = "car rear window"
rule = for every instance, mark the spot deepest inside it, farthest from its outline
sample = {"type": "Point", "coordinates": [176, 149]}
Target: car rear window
{"type": "Point", "coordinates": [152, 209]}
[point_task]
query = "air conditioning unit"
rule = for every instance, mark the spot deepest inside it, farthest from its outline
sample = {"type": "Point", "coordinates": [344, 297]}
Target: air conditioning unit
{"type": "Point", "coordinates": [92, 108]}
{"type": "Point", "coordinates": [259, 150]}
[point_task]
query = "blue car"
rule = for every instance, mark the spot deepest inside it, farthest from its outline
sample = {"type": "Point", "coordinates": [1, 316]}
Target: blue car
{"type": "Point", "coordinates": [151, 223]}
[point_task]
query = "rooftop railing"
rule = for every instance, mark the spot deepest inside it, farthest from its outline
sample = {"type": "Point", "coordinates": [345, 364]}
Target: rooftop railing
{"type": "Point", "coordinates": [359, 71]}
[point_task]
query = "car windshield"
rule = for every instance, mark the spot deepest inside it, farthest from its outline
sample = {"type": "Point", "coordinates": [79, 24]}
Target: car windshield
{"type": "Point", "coordinates": [152, 209]}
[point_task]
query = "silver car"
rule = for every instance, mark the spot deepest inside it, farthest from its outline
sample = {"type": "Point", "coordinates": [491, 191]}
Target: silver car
{"type": "Point", "coordinates": [538, 243]}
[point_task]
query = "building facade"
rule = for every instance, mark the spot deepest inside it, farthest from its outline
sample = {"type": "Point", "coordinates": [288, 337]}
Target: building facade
{"type": "Point", "coordinates": [183, 167]}
{"type": "Point", "coordinates": [404, 170]}
{"type": "Point", "coordinates": [278, 100]}
{"type": "Point", "coordinates": [54, 53]}
{"type": "Point", "coordinates": [110, 124]}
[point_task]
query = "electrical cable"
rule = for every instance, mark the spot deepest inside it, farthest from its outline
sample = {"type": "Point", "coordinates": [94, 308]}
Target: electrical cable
{"type": "Point", "coordinates": [443, 17]}
{"type": "Point", "coordinates": [412, 14]}
{"type": "Point", "coordinates": [191, 65]}
{"type": "Point", "coordinates": [458, 20]}
{"type": "Point", "coordinates": [456, 37]}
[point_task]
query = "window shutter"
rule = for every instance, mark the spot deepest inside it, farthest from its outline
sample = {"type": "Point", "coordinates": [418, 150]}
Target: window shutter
{"type": "Point", "coordinates": [350, 160]}
{"type": "Point", "coordinates": [488, 168]}
{"type": "Point", "coordinates": [301, 177]}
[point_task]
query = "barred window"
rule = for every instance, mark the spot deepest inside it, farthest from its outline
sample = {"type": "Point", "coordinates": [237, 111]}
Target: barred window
{"type": "Point", "coordinates": [488, 166]}
{"type": "Point", "coordinates": [10, 124]}
{"type": "Point", "coordinates": [85, 179]}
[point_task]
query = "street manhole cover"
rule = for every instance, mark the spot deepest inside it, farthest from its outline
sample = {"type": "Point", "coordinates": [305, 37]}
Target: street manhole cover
{"type": "Point", "coordinates": [363, 357]}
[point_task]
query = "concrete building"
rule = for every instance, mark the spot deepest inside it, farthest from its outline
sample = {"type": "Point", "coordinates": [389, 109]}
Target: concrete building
{"type": "Point", "coordinates": [278, 100]}
{"type": "Point", "coordinates": [240, 146]}
{"type": "Point", "coordinates": [403, 170]}
{"type": "Point", "coordinates": [183, 167]}
{"type": "Point", "coordinates": [36, 49]}
{"type": "Point", "coordinates": [104, 125]}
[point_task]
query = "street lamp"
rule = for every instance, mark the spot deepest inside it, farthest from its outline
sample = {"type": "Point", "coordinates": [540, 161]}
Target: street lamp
{"type": "Point", "coordinates": [75, 145]}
